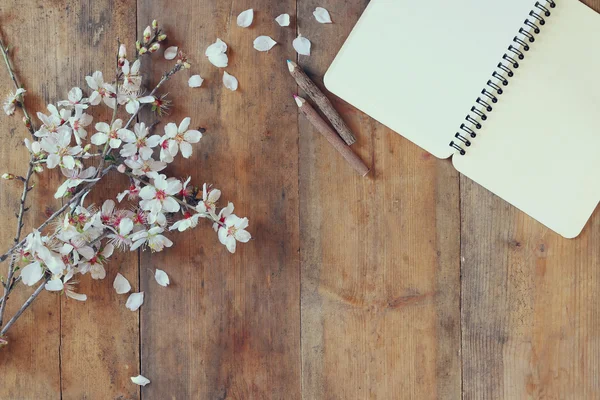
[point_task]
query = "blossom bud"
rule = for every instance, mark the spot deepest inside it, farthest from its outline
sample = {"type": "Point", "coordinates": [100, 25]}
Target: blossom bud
{"type": "Point", "coordinates": [154, 47]}
{"type": "Point", "coordinates": [186, 65]}
{"type": "Point", "coordinates": [8, 177]}
{"type": "Point", "coordinates": [121, 168]}
{"type": "Point", "coordinates": [143, 50]}
{"type": "Point", "coordinates": [138, 45]}
{"type": "Point", "coordinates": [162, 37]}
{"type": "Point", "coordinates": [78, 164]}
{"type": "Point", "coordinates": [87, 148]}
{"type": "Point", "coordinates": [154, 24]}
{"type": "Point", "coordinates": [27, 122]}
{"type": "Point", "coordinates": [38, 168]}
{"type": "Point", "coordinates": [147, 34]}
{"type": "Point", "coordinates": [3, 341]}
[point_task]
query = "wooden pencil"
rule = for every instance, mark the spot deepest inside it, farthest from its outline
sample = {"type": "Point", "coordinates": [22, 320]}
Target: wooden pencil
{"type": "Point", "coordinates": [322, 102]}
{"type": "Point", "coordinates": [332, 137]}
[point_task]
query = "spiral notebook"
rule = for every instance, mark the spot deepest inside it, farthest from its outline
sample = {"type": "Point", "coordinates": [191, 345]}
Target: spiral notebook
{"type": "Point", "coordinates": [510, 90]}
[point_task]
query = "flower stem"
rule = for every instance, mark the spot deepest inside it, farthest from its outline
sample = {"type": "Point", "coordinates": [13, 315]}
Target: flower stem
{"type": "Point", "coordinates": [11, 267]}
{"type": "Point", "coordinates": [16, 83]}
{"type": "Point", "coordinates": [24, 306]}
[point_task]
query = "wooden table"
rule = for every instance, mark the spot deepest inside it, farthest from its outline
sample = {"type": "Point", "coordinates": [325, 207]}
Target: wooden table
{"type": "Point", "coordinates": [414, 283]}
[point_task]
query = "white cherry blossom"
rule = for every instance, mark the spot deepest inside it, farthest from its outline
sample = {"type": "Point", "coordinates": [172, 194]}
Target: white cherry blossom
{"type": "Point", "coordinates": [158, 197]}
{"type": "Point", "coordinates": [180, 138]}
{"type": "Point", "coordinates": [59, 152]}
{"type": "Point", "coordinates": [78, 123]}
{"type": "Point", "coordinates": [114, 134]}
{"type": "Point", "coordinates": [153, 238]}
{"type": "Point", "coordinates": [102, 91]}
{"type": "Point", "coordinates": [10, 102]}
{"type": "Point", "coordinates": [132, 79]}
{"type": "Point", "coordinates": [75, 99]}
{"type": "Point", "coordinates": [75, 178]}
{"type": "Point", "coordinates": [140, 143]}
{"type": "Point", "coordinates": [234, 230]}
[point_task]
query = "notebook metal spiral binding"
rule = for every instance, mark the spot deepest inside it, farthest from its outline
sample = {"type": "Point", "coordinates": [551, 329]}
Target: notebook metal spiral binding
{"type": "Point", "coordinates": [505, 70]}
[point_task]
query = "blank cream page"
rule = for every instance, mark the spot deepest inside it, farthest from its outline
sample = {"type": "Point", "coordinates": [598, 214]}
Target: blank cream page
{"type": "Point", "coordinates": [540, 147]}
{"type": "Point", "coordinates": [418, 66]}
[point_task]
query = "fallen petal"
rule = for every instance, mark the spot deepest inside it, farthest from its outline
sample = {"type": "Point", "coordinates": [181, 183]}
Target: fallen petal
{"type": "Point", "coordinates": [134, 301]}
{"type": "Point", "coordinates": [264, 43]}
{"type": "Point", "coordinates": [171, 52]}
{"type": "Point", "coordinates": [161, 277]}
{"type": "Point", "coordinates": [140, 380]}
{"type": "Point", "coordinates": [322, 15]}
{"type": "Point", "coordinates": [121, 284]}
{"type": "Point", "coordinates": [302, 45]}
{"type": "Point", "coordinates": [195, 81]}
{"type": "Point", "coordinates": [244, 20]}
{"type": "Point", "coordinates": [230, 81]}
{"type": "Point", "coordinates": [219, 60]}
{"type": "Point", "coordinates": [283, 20]}
{"type": "Point", "coordinates": [217, 47]}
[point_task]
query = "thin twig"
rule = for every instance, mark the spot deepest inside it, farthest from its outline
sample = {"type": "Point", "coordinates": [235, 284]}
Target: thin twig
{"type": "Point", "coordinates": [9, 284]}
{"type": "Point", "coordinates": [24, 306]}
{"type": "Point", "coordinates": [15, 80]}
{"type": "Point", "coordinates": [11, 266]}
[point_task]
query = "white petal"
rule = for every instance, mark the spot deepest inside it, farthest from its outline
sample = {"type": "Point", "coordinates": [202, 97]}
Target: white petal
{"type": "Point", "coordinates": [217, 47]}
{"type": "Point", "coordinates": [54, 285]}
{"type": "Point", "coordinates": [195, 81]}
{"type": "Point", "coordinates": [322, 15]}
{"type": "Point", "coordinates": [161, 277]}
{"type": "Point", "coordinates": [230, 81]}
{"type": "Point", "coordinates": [244, 20]}
{"type": "Point", "coordinates": [186, 149]}
{"type": "Point", "coordinates": [283, 20]}
{"type": "Point", "coordinates": [171, 52]}
{"type": "Point", "coordinates": [32, 273]}
{"type": "Point", "coordinates": [302, 45]}
{"type": "Point", "coordinates": [264, 43]}
{"type": "Point", "coordinates": [140, 380]}
{"type": "Point", "coordinates": [121, 284]}
{"type": "Point", "coordinates": [134, 301]}
{"type": "Point", "coordinates": [219, 60]}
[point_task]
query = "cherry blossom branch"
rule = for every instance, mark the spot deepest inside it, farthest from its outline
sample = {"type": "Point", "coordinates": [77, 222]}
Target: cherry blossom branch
{"type": "Point", "coordinates": [181, 202]}
{"type": "Point", "coordinates": [24, 306]}
{"type": "Point", "coordinates": [9, 284]}
{"type": "Point", "coordinates": [114, 115]}
{"type": "Point", "coordinates": [75, 198]}
{"type": "Point", "coordinates": [13, 77]}
{"type": "Point", "coordinates": [178, 67]}
{"type": "Point", "coordinates": [11, 267]}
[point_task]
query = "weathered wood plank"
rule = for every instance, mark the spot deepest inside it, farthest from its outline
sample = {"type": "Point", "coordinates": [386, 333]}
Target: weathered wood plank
{"type": "Point", "coordinates": [228, 325]}
{"type": "Point", "coordinates": [379, 255]}
{"type": "Point", "coordinates": [99, 338]}
{"type": "Point", "coordinates": [529, 303]}
{"type": "Point", "coordinates": [96, 342]}
{"type": "Point", "coordinates": [30, 364]}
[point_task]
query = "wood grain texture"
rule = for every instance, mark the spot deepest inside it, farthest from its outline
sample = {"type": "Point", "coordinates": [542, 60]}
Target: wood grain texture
{"type": "Point", "coordinates": [351, 286]}
{"type": "Point", "coordinates": [99, 338]}
{"type": "Point", "coordinates": [530, 319]}
{"type": "Point", "coordinates": [228, 327]}
{"type": "Point", "coordinates": [30, 367]}
{"type": "Point", "coordinates": [380, 255]}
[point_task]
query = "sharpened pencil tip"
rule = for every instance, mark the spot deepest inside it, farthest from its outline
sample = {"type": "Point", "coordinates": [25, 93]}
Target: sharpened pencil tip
{"type": "Point", "coordinates": [299, 100]}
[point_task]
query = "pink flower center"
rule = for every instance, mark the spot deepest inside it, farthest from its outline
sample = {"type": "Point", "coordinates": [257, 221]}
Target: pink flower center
{"type": "Point", "coordinates": [165, 144]}
{"type": "Point", "coordinates": [113, 135]}
{"type": "Point", "coordinates": [160, 194]}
